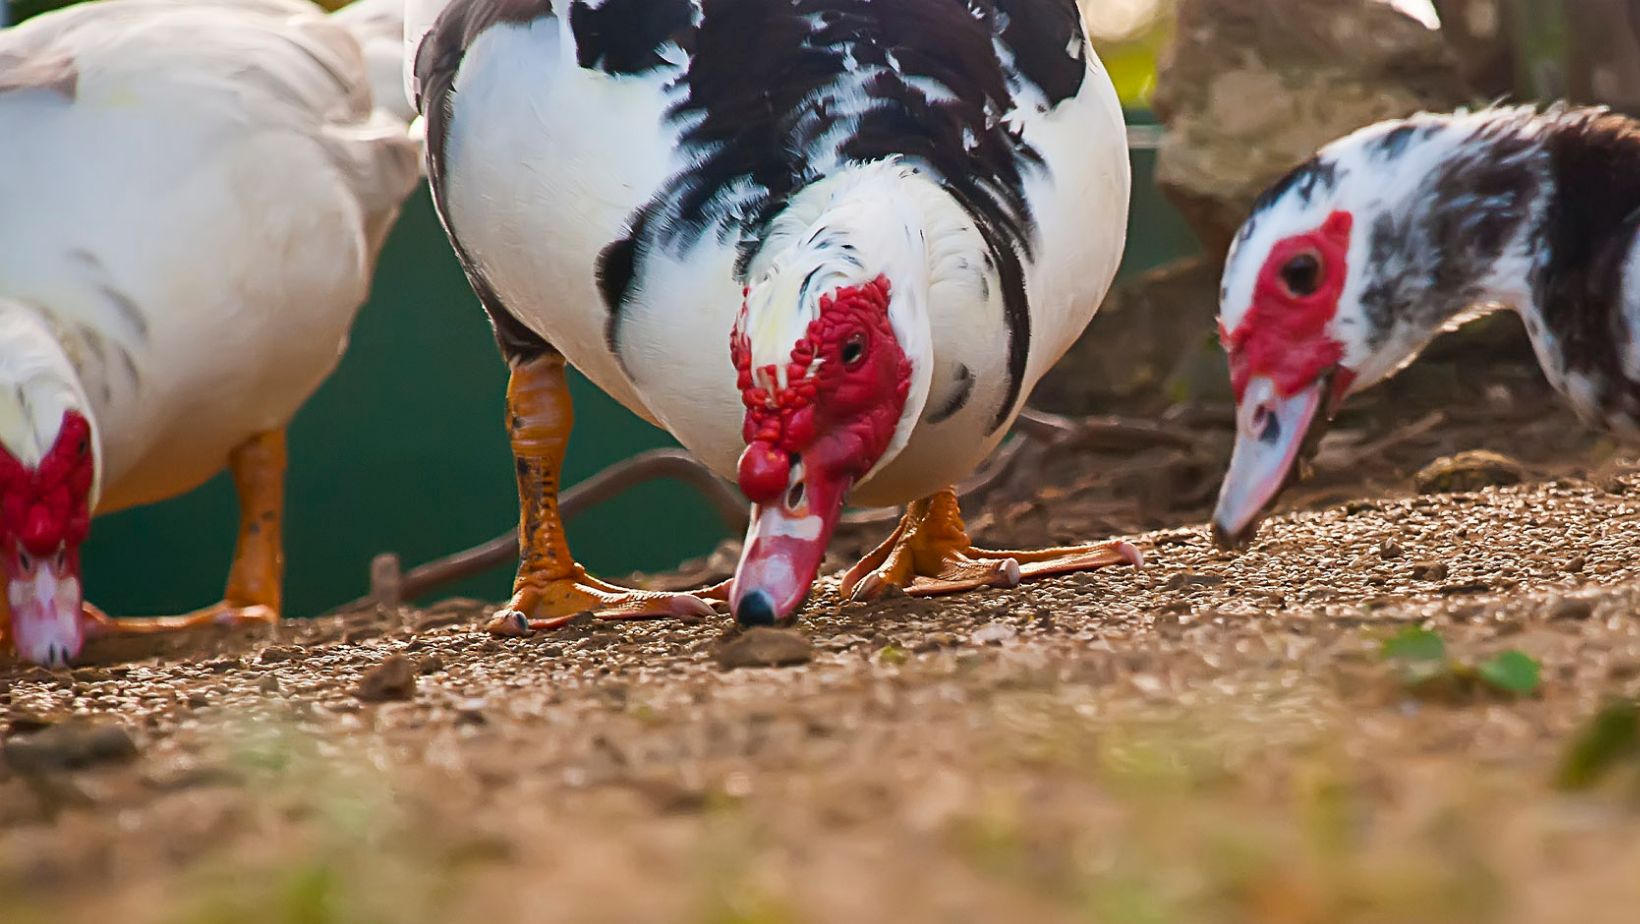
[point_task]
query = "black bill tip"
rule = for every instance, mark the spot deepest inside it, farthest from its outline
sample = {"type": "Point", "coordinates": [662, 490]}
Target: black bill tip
{"type": "Point", "coordinates": [755, 609]}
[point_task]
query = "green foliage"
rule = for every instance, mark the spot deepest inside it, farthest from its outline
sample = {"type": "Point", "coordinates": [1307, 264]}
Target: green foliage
{"type": "Point", "coordinates": [1421, 660]}
{"type": "Point", "coordinates": [1608, 740]}
{"type": "Point", "coordinates": [1414, 644]}
{"type": "Point", "coordinates": [1131, 60]}
{"type": "Point", "coordinates": [1513, 672]}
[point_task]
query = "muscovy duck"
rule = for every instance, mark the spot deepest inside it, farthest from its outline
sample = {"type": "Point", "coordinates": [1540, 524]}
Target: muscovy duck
{"type": "Point", "coordinates": [1356, 259]}
{"type": "Point", "coordinates": [830, 245]}
{"type": "Point", "coordinates": [192, 198]}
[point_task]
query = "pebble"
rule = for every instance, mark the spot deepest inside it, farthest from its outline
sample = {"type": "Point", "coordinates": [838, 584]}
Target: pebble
{"type": "Point", "coordinates": [765, 647]}
{"type": "Point", "coordinates": [70, 746]}
{"type": "Point", "coordinates": [994, 633]}
{"type": "Point", "coordinates": [1468, 471]}
{"type": "Point", "coordinates": [1429, 571]}
{"type": "Point", "coordinates": [394, 678]}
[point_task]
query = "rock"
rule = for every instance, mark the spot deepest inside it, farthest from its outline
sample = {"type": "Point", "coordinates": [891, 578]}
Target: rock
{"type": "Point", "coordinates": [1250, 88]}
{"type": "Point", "coordinates": [994, 633]}
{"type": "Point", "coordinates": [431, 664]}
{"type": "Point", "coordinates": [1468, 471]}
{"type": "Point", "coordinates": [1575, 564]}
{"type": "Point", "coordinates": [394, 678]}
{"type": "Point", "coordinates": [1189, 580]}
{"type": "Point", "coordinates": [765, 647]}
{"type": "Point", "coordinates": [70, 746]}
{"type": "Point", "coordinates": [268, 684]}
{"type": "Point", "coordinates": [1389, 551]}
{"type": "Point", "coordinates": [24, 722]}
{"type": "Point", "coordinates": [275, 654]}
{"type": "Point", "coordinates": [1577, 608]}
{"type": "Point", "coordinates": [1429, 571]}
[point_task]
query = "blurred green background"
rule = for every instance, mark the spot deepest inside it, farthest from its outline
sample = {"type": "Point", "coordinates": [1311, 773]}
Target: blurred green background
{"type": "Point", "coordinates": [403, 448]}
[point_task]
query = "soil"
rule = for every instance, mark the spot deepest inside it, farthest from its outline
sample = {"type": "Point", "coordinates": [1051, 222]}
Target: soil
{"type": "Point", "coordinates": [1216, 737]}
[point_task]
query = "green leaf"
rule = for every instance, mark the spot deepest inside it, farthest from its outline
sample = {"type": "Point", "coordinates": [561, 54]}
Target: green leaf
{"type": "Point", "coordinates": [1512, 672]}
{"type": "Point", "coordinates": [1610, 737]}
{"type": "Point", "coordinates": [1414, 643]}
{"type": "Point", "coordinates": [891, 655]}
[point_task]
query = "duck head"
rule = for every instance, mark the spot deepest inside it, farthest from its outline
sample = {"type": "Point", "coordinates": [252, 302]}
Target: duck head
{"type": "Point", "coordinates": [48, 487]}
{"type": "Point", "coordinates": [831, 353]}
{"type": "Point", "coordinates": [1354, 261]}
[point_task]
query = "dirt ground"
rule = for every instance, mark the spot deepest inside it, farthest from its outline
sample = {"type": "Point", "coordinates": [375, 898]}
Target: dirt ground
{"type": "Point", "coordinates": [1214, 738]}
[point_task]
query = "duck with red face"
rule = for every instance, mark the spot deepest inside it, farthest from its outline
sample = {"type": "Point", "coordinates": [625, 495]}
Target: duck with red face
{"type": "Point", "coordinates": [1358, 258]}
{"type": "Point", "coordinates": [836, 283]}
{"type": "Point", "coordinates": [161, 318]}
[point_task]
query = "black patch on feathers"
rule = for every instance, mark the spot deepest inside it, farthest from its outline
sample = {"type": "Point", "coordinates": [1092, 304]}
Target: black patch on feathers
{"type": "Point", "coordinates": [438, 58]}
{"type": "Point", "coordinates": [762, 91]}
{"type": "Point", "coordinates": [1587, 234]}
{"type": "Point", "coordinates": [962, 389]}
{"type": "Point", "coordinates": [627, 36]}
{"type": "Point", "coordinates": [1425, 265]}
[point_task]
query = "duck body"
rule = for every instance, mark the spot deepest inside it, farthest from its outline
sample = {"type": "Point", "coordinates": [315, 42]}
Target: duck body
{"type": "Point", "coordinates": [620, 173]}
{"type": "Point", "coordinates": [192, 199]}
{"type": "Point", "coordinates": [197, 227]}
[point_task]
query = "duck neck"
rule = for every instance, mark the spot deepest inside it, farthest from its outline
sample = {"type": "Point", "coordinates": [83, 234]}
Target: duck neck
{"type": "Point", "coordinates": [38, 384]}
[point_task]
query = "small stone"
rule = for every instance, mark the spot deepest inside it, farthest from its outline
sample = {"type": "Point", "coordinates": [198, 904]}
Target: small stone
{"type": "Point", "coordinates": [1575, 564]}
{"type": "Point", "coordinates": [24, 722]}
{"type": "Point", "coordinates": [1388, 550]}
{"type": "Point", "coordinates": [431, 664]}
{"type": "Point", "coordinates": [70, 746]}
{"type": "Point", "coordinates": [224, 665]}
{"type": "Point", "coordinates": [471, 712]}
{"type": "Point", "coordinates": [1571, 608]}
{"type": "Point", "coordinates": [275, 654]}
{"type": "Point", "coordinates": [1429, 571]}
{"type": "Point", "coordinates": [198, 700]}
{"type": "Point", "coordinates": [1190, 579]}
{"type": "Point", "coordinates": [1468, 471]}
{"type": "Point", "coordinates": [765, 647]}
{"type": "Point", "coordinates": [994, 633]}
{"type": "Point", "coordinates": [268, 684]}
{"type": "Point", "coordinates": [394, 678]}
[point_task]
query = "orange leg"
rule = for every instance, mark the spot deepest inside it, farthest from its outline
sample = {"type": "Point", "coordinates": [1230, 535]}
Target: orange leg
{"type": "Point", "coordinates": [930, 553]}
{"type": "Point", "coordinates": [551, 586]}
{"type": "Point", "coordinates": [255, 582]}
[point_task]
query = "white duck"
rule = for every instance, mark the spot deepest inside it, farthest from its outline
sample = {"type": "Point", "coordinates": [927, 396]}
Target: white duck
{"type": "Point", "coordinates": [830, 245]}
{"type": "Point", "coordinates": [192, 199]}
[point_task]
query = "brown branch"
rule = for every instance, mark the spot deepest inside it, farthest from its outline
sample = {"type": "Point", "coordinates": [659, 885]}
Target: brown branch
{"type": "Point", "coordinates": [1036, 429]}
{"type": "Point", "coordinates": [390, 588]}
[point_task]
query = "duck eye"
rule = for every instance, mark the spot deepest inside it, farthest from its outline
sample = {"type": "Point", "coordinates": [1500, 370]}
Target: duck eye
{"type": "Point", "coordinates": [854, 350]}
{"type": "Point", "coordinates": [84, 447]}
{"type": "Point", "coordinates": [1302, 274]}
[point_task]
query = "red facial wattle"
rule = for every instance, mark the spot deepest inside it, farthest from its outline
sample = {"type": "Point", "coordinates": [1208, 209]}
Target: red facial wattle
{"type": "Point", "coordinates": [1283, 336]}
{"type": "Point", "coordinates": [808, 441]}
{"type": "Point", "coordinates": [45, 515]}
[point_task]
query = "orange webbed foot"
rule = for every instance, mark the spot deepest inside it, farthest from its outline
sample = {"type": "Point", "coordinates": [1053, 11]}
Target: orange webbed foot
{"type": "Point", "coordinates": [929, 553]}
{"type": "Point", "coordinates": [541, 603]}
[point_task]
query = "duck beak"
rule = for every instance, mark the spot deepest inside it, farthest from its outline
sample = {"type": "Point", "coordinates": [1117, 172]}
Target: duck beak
{"type": "Point", "coordinates": [786, 546]}
{"type": "Point", "coordinates": [1272, 431]}
{"type": "Point", "coordinates": [44, 597]}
